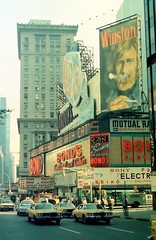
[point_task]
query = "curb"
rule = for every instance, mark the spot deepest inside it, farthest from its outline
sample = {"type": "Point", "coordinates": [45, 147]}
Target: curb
{"type": "Point", "coordinates": [140, 219]}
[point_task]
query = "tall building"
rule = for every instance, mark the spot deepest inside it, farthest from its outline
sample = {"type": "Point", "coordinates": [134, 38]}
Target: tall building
{"type": "Point", "coordinates": [150, 27]}
{"type": "Point", "coordinates": [4, 143]}
{"type": "Point", "coordinates": [41, 49]}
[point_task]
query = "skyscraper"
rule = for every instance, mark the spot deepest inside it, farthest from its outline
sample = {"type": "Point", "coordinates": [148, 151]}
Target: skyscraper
{"type": "Point", "coordinates": [4, 142]}
{"type": "Point", "coordinates": [41, 49]}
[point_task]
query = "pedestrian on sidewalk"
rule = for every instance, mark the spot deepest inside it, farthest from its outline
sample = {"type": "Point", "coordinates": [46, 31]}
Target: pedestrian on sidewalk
{"type": "Point", "coordinates": [125, 206]}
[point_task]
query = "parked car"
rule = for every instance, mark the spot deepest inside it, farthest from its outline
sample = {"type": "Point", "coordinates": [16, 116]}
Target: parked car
{"type": "Point", "coordinates": [66, 208]}
{"type": "Point", "coordinates": [6, 204]}
{"type": "Point", "coordinates": [44, 212]}
{"type": "Point", "coordinates": [21, 209]}
{"type": "Point", "coordinates": [92, 212]}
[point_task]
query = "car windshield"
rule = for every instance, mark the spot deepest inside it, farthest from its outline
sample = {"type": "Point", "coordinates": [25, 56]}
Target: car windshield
{"type": "Point", "coordinates": [93, 206]}
{"type": "Point", "coordinates": [44, 206]}
{"type": "Point", "coordinates": [25, 204]}
{"type": "Point", "coordinates": [6, 201]}
{"type": "Point", "coordinates": [66, 205]}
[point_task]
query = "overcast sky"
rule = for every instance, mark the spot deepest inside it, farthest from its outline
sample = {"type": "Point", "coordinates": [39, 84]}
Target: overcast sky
{"type": "Point", "coordinates": [88, 14]}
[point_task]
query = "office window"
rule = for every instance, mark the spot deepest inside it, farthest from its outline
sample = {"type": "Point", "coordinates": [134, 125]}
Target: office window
{"type": "Point", "coordinates": [43, 59]}
{"type": "Point", "coordinates": [36, 96]}
{"type": "Point", "coordinates": [36, 59]}
{"type": "Point", "coordinates": [36, 88]}
{"type": "Point", "coordinates": [25, 146]}
{"type": "Point", "coordinates": [25, 68]}
{"type": "Point", "coordinates": [37, 48]}
{"type": "Point", "coordinates": [42, 105]}
{"type": "Point", "coordinates": [37, 69]}
{"type": "Point", "coordinates": [57, 60]}
{"type": "Point", "coordinates": [25, 96]}
{"type": "Point", "coordinates": [42, 48]}
{"type": "Point", "coordinates": [36, 77]}
{"type": "Point", "coordinates": [26, 48]}
{"type": "Point", "coordinates": [25, 106]}
{"type": "Point", "coordinates": [25, 164]}
{"type": "Point", "coordinates": [25, 125]}
{"type": "Point", "coordinates": [43, 68]}
{"type": "Point", "coordinates": [36, 114]}
{"type": "Point", "coordinates": [43, 77]}
{"type": "Point", "coordinates": [43, 96]}
{"type": "Point", "coordinates": [51, 59]}
{"type": "Point", "coordinates": [26, 59]}
{"type": "Point", "coordinates": [36, 105]}
{"type": "Point", "coordinates": [25, 137]}
{"type": "Point", "coordinates": [52, 77]}
{"type": "Point", "coordinates": [51, 114]}
{"type": "Point", "coordinates": [25, 114]}
{"type": "Point", "coordinates": [25, 88]}
{"type": "Point", "coordinates": [42, 88]}
{"type": "Point", "coordinates": [51, 68]}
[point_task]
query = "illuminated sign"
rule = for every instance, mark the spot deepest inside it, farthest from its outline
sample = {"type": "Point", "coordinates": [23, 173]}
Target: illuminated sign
{"type": "Point", "coordinates": [75, 155]}
{"type": "Point", "coordinates": [99, 150]}
{"type": "Point", "coordinates": [37, 166]}
{"type": "Point", "coordinates": [130, 150]}
{"type": "Point", "coordinates": [94, 126]}
{"type": "Point", "coordinates": [123, 176]}
{"type": "Point", "coordinates": [129, 125]}
{"type": "Point", "coordinates": [120, 65]}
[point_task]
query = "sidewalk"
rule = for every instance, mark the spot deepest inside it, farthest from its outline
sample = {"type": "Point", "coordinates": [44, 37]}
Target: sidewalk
{"type": "Point", "coordinates": [136, 213]}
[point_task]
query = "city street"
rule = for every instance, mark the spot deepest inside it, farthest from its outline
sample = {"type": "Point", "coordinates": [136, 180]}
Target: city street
{"type": "Point", "coordinates": [17, 227]}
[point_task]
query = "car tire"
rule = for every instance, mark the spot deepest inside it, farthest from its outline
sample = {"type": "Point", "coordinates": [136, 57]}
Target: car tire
{"type": "Point", "coordinates": [58, 221]}
{"type": "Point", "coordinates": [84, 219]}
{"type": "Point", "coordinates": [107, 221]}
{"type": "Point", "coordinates": [76, 219]}
{"type": "Point", "coordinates": [29, 219]}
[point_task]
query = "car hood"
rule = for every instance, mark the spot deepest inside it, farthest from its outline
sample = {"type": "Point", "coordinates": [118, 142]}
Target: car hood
{"type": "Point", "coordinates": [45, 211]}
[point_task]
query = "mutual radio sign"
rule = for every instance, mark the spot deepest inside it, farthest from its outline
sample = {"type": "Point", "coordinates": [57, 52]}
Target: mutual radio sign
{"type": "Point", "coordinates": [129, 125]}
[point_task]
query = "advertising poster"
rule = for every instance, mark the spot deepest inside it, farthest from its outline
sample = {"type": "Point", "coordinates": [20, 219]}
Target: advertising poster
{"type": "Point", "coordinates": [37, 166]}
{"type": "Point", "coordinates": [130, 150]}
{"type": "Point", "coordinates": [99, 150]}
{"type": "Point", "coordinates": [120, 66]}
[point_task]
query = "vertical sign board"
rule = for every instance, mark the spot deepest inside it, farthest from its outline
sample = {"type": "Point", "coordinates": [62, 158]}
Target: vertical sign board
{"type": "Point", "coordinates": [36, 166]}
{"type": "Point", "coordinates": [99, 150]}
{"type": "Point", "coordinates": [120, 65]}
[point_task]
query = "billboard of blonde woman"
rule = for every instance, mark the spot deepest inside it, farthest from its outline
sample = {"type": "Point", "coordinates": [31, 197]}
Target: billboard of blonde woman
{"type": "Point", "coordinates": [120, 66]}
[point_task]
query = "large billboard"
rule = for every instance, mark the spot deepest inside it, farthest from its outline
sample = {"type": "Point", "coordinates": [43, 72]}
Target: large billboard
{"type": "Point", "coordinates": [120, 65]}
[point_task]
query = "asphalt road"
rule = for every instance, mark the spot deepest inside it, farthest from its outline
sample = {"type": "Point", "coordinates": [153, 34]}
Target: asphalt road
{"type": "Point", "coordinates": [15, 227]}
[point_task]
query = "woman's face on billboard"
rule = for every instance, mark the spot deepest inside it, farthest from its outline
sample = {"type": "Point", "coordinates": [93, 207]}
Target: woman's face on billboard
{"type": "Point", "coordinates": [127, 65]}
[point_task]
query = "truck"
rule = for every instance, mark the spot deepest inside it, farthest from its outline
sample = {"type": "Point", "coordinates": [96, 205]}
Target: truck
{"type": "Point", "coordinates": [135, 199]}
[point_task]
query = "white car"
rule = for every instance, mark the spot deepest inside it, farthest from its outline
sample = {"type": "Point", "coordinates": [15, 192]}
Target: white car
{"type": "Point", "coordinates": [23, 207]}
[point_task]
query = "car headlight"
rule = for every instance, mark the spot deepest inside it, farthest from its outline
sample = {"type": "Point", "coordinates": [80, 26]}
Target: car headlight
{"type": "Point", "coordinates": [39, 215]}
{"type": "Point", "coordinates": [59, 214]}
{"type": "Point", "coordinates": [90, 214]}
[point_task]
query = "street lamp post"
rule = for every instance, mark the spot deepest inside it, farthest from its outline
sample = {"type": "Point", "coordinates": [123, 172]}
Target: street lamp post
{"type": "Point", "coordinates": [8, 181]}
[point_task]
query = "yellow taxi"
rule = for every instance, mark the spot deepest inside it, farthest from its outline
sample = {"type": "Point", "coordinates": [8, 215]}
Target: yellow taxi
{"type": "Point", "coordinates": [92, 212]}
{"type": "Point", "coordinates": [43, 212]}
{"type": "Point", "coordinates": [6, 204]}
{"type": "Point", "coordinates": [66, 208]}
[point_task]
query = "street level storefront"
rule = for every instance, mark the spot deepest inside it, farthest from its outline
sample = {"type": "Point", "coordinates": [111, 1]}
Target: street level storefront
{"type": "Point", "coordinates": [116, 160]}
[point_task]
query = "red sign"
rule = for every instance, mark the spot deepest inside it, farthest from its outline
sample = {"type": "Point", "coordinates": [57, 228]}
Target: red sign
{"type": "Point", "coordinates": [99, 150]}
{"type": "Point", "coordinates": [36, 166]}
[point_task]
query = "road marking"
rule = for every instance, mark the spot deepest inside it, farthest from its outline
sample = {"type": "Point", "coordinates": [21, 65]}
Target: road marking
{"type": "Point", "coordinates": [118, 229]}
{"type": "Point", "coordinates": [69, 230]}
